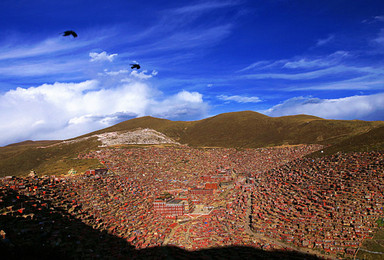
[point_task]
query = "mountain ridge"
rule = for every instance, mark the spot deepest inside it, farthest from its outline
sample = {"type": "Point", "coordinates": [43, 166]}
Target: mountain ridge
{"type": "Point", "coordinates": [245, 129]}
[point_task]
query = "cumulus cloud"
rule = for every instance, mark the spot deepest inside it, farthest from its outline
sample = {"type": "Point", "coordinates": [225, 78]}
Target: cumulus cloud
{"type": "Point", "coordinates": [184, 105]}
{"type": "Point", "coordinates": [104, 119]}
{"type": "Point", "coordinates": [363, 107]}
{"type": "Point", "coordinates": [239, 99]}
{"type": "Point", "coordinates": [102, 56]}
{"type": "Point", "coordinates": [143, 75]}
{"type": "Point", "coordinates": [129, 76]}
{"type": "Point", "coordinates": [66, 110]}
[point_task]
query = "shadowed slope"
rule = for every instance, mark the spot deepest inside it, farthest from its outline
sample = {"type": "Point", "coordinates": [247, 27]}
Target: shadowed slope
{"type": "Point", "coordinates": [43, 231]}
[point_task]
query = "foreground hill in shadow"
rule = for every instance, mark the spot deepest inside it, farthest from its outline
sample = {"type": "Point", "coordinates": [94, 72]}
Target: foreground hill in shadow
{"type": "Point", "coordinates": [38, 230]}
{"type": "Point", "coordinates": [245, 129]}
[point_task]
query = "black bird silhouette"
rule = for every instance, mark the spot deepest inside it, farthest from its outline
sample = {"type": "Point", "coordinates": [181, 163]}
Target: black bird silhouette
{"type": "Point", "coordinates": [135, 66]}
{"type": "Point", "coordinates": [67, 33]}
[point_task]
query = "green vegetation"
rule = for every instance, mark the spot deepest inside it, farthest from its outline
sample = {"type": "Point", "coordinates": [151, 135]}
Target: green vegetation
{"type": "Point", "coordinates": [376, 244]}
{"type": "Point", "coordinates": [239, 130]}
{"type": "Point", "coordinates": [50, 160]}
{"type": "Point", "coordinates": [380, 222]}
{"type": "Point", "coordinates": [372, 140]}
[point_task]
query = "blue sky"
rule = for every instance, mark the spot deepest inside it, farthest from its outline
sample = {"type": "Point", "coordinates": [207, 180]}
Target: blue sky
{"type": "Point", "coordinates": [198, 59]}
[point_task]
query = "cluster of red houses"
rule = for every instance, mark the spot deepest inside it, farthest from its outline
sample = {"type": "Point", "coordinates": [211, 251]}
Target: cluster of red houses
{"type": "Point", "coordinates": [129, 204]}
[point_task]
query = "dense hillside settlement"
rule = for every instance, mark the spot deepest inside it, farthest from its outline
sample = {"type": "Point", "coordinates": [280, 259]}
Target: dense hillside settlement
{"type": "Point", "coordinates": [268, 199]}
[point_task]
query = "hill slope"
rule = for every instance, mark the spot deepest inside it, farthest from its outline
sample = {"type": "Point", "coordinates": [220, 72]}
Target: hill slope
{"type": "Point", "coordinates": [251, 129]}
{"type": "Point", "coordinates": [172, 129]}
{"type": "Point", "coordinates": [370, 141]}
{"type": "Point", "coordinates": [56, 158]}
{"type": "Point", "coordinates": [245, 129]}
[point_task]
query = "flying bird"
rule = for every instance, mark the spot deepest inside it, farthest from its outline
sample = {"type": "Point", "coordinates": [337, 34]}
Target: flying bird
{"type": "Point", "coordinates": [135, 66]}
{"type": "Point", "coordinates": [67, 33]}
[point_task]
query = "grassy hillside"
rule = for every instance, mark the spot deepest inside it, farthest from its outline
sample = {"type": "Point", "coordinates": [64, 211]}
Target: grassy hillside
{"type": "Point", "coordinates": [245, 129]}
{"type": "Point", "coordinates": [373, 140]}
{"type": "Point", "coordinates": [51, 160]}
{"type": "Point", "coordinates": [251, 129]}
{"type": "Point", "coordinates": [372, 248]}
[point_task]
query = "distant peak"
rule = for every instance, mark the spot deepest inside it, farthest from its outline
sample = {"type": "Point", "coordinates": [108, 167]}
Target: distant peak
{"type": "Point", "coordinates": [244, 113]}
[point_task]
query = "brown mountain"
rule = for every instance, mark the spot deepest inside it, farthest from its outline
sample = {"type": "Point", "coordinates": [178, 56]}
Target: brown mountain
{"type": "Point", "coordinates": [372, 140]}
{"type": "Point", "coordinates": [250, 129]}
{"type": "Point", "coordinates": [245, 129]}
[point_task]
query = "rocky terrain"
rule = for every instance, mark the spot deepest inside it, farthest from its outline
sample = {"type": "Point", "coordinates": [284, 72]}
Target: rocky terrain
{"type": "Point", "coordinates": [139, 136]}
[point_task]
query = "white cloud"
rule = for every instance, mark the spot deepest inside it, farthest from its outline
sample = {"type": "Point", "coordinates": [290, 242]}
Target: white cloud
{"type": "Point", "coordinates": [368, 107]}
{"type": "Point", "coordinates": [203, 7]}
{"type": "Point", "coordinates": [184, 105]}
{"type": "Point", "coordinates": [114, 73]}
{"type": "Point", "coordinates": [301, 75]}
{"type": "Point", "coordinates": [16, 50]}
{"type": "Point", "coordinates": [38, 68]}
{"type": "Point", "coordinates": [334, 71]}
{"type": "Point", "coordinates": [192, 97]}
{"type": "Point", "coordinates": [142, 75]}
{"type": "Point", "coordinates": [324, 41]}
{"type": "Point", "coordinates": [341, 71]}
{"type": "Point", "coordinates": [303, 63]}
{"type": "Point", "coordinates": [189, 39]}
{"type": "Point", "coordinates": [379, 18]}
{"type": "Point", "coordinates": [308, 63]}
{"type": "Point", "coordinates": [380, 37]}
{"type": "Point", "coordinates": [239, 99]}
{"type": "Point", "coordinates": [358, 83]}
{"type": "Point", "coordinates": [102, 56]}
{"type": "Point", "coordinates": [65, 110]}
{"type": "Point", "coordinates": [256, 65]}
{"type": "Point", "coordinates": [130, 76]}
{"type": "Point", "coordinates": [330, 60]}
